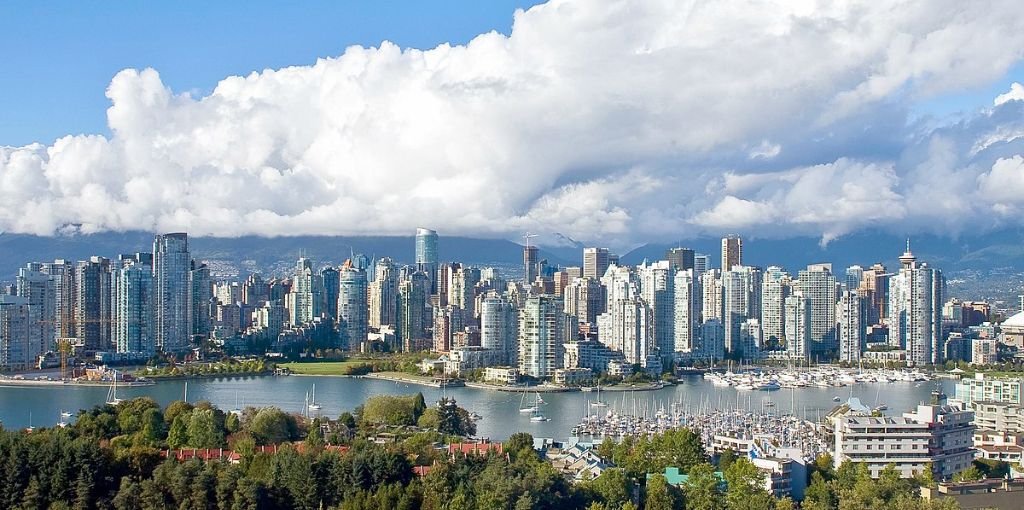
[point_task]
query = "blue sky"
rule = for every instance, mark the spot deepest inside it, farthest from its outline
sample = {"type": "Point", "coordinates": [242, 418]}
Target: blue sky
{"type": "Point", "coordinates": [59, 57]}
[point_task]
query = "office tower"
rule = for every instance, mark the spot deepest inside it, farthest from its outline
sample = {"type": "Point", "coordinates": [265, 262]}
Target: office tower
{"type": "Point", "coordinates": [306, 296]}
{"type": "Point", "coordinates": [732, 252]}
{"type": "Point", "coordinates": [426, 256]}
{"type": "Point", "coordinates": [413, 315]}
{"type": "Point", "coordinates": [874, 287]}
{"type": "Point", "coordinates": [850, 314]}
{"type": "Point", "coordinates": [854, 275]}
{"type": "Point", "coordinates": [798, 326]}
{"type": "Point", "coordinates": [701, 263]}
{"type": "Point", "coordinates": [711, 295]}
{"type": "Point", "coordinates": [63, 274]}
{"type": "Point", "coordinates": [202, 300]}
{"type": "Point", "coordinates": [686, 314]}
{"type": "Point", "coordinates": [530, 256]}
{"type": "Point", "coordinates": [353, 320]}
{"type": "Point", "coordinates": [561, 280]}
{"type": "Point", "coordinates": [541, 336]}
{"type": "Point", "coordinates": [657, 289]}
{"type": "Point", "coordinates": [172, 292]}
{"type": "Point", "coordinates": [38, 288]}
{"type": "Point", "coordinates": [774, 291]}
{"type": "Point", "coordinates": [916, 295]}
{"type": "Point", "coordinates": [362, 263]}
{"type": "Point", "coordinates": [741, 300]}
{"type": "Point", "coordinates": [14, 333]}
{"type": "Point", "coordinates": [595, 262]}
{"type": "Point", "coordinates": [680, 259]}
{"type": "Point", "coordinates": [499, 326]}
{"type": "Point", "coordinates": [92, 303]}
{"type": "Point", "coordinates": [817, 284]}
{"type": "Point", "coordinates": [132, 311]}
{"type": "Point", "coordinates": [384, 294]}
{"type": "Point", "coordinates": [584, 299]}
{"type": "Point", "coordinates": [329, 277]}
{"type": "Point", "coordinates": [255, 291]}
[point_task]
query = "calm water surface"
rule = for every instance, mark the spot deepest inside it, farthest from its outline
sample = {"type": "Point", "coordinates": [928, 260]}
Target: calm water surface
{"type": "Point", "coordinates": [41, 406]}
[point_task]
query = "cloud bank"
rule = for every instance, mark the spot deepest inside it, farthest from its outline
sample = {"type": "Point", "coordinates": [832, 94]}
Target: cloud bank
{"type": "Point", "coordinates": [622, 120]}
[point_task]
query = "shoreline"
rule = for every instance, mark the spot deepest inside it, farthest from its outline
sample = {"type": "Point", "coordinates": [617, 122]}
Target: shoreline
{"type": "Point", "coordinates": [20, 383]}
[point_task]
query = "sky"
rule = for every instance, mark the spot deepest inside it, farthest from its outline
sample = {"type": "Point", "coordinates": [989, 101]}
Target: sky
{"type": "Point", "coordinates": [614, 121]}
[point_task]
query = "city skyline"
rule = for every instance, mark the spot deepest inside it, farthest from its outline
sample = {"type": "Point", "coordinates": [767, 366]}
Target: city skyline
{"type": "Point", "coordinates": [664, 142]}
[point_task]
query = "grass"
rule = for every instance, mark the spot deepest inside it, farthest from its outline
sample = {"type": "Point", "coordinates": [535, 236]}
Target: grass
{"type": "Point", "coordinates": [323, 367]}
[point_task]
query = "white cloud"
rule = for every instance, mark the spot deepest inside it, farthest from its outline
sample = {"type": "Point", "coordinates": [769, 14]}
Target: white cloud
{"type": "Point", "coordinates": [619, 119]}
{"type": "Point", "coordinates": [1016, 93]}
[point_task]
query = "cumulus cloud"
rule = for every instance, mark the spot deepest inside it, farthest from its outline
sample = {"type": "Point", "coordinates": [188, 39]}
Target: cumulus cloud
{"type": "Point", "coordinates": [614, 120]}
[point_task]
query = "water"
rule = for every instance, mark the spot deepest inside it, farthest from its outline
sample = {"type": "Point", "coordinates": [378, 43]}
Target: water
{"type": "Point", "coordinates": [500, 410]}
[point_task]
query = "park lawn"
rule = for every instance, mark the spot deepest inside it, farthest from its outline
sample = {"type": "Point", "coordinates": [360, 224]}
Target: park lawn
{"type": "Point", "coordinates": [323, 367]}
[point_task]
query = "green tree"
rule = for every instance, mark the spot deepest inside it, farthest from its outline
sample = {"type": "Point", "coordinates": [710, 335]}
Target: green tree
{"type": "Point", "coordinates": [518, 443]}
{"type": "Point", "coordinates": [971, 474]}
{"type": "Point", "coordinates": [272, 426]}
{"type": "Point", "coordinates": [612, 487]}
{"type": "Point", "coordinates": [177, 437]}
{"type": "Point", "coordinates": [726, 458]}
{"type": "Point", "coordinates": [661, 495]}
{"type": "Point", "coordinates": [203, 431]}
{"type": "Point", "coordinates": [745, 487]}
{"type": "Point", "coordinates": [701, 489]}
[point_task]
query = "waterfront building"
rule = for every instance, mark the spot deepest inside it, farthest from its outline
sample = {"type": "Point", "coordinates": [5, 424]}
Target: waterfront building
{"type": "Point", "coordinates": [798, 326]}
{"type": "Point", "coordinates": [712, 340]}
{"type": "Point", "coordinates": [501, 375]}
{"type": "Point", "coordinates": [626, 327]}
{"type": "Point", "coordinates": [595, 262]}
{"type": "Point", "coordinates": [172, 292]}
{"type": "Point", "coordinates": [775, 288]}
{"type": "Point", "coordinates": [353, 320]}
{"type": "Point", "coordinates": [984, 351]}
{"type": "Point", "coordinates": [851, 316]}
{"type": "Point", "coordinates": [15, 333]}
{"type": "Point", "coordinates": [711, 295]}
{"type": "Point", "coordinates": [915, 310]}
{"type": "Point", "coordinates": [749, 340]}
{"type": "Point", "coordinates": [498, 325]}
{"type": "Point", "coordinates": [934, 436]}
{"type": "Point", "coordinates": [464, 358]}
{"type": "Point", "coordinates": [657, 289]}
{"type": "Point", "coordinates": [1005, 390]}
{"type": "Point", "coordinates": [92, 303]}
{"type": "Point", "coordinates": [741, 293]}
{"type": "Point", "coordinates": [589, 354]}
{"type": "Point", "coordinates": [572, 376]}
{"type": "Point", "coordinates": [687, 311]}
{"type": "Point", "coordinates": [202, 297]}
{"type": "Point", "coordinates": [413, 311]}
{"type": "Point", "coordinates": [541, 335]}
{"type": "Point", "coordinates": [384, 294]}
{"type": "Point", "coordinates": [818, 286]}
{"type": "Point", "coordinates": [680, 259]}
{"type": "Point", "coordinates": [329, 278]}
{"type": "Point", "coordinates": [426, 256]}
{"type": "Point", "coordinates": [38, 287]}
{"type": "Point", "coordinates": [732, 252]}
{"type": "Point", "coordinates": [133, 307]}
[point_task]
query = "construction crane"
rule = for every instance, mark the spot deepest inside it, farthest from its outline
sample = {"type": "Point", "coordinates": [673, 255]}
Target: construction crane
{"type": "Point", "coordinates": [528, 236]}
{"type": "Point", "coordinates": [66, 344]}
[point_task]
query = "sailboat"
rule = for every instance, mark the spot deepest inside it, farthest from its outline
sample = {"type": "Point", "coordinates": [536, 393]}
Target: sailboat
{"type": "Point", "coordinates": [535, 414]}
{"type": "Point", "coordinates": [313, 406]}
{"type": "Point", "coordinates": [523, 408]}
{"type": "Point", "coordinates": [112, 394]}
{"type": "Point", "coordinates": [30, 428]}
{"type": "Point", "coordinates": [598, 402]}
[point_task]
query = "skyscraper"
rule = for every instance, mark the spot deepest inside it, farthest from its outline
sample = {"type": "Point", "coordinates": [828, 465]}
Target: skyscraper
{"type": "Point", "coordinates": [329, 277]}
{"type": "Point", "coordinates": [701, 263]}
{"type": "Point", "coordinates": [92, 303]}
{"type": "Point", "coordinates": [38, 288]}
{"type": "Point", "coordinates": [798, 326]}
{"type": "Point", "coordinates": [874, 288]}
{"type": "Point", "coordinates": [595, 262]}
{"type": "Point", "coordinates": [732, 252]}
{"type": "Point", "coordinates": [499, 325]}
{"type": "Point", "coordinates": [541, 336]}
{"type": "Point", "coordinates": [426, 256]}
{"type": "Point", "coordinates": [584, 299]}
{"type": "Point", "coordinates": [202, 300]}
{"type": "Point", "coordinates": [850, 314]}
{"type": "Point", "coordinates": [774, 291]}
{"type": "Point", "coordinates": [63, 274]}
{"type": "Point", "coordinates": [680, 259]}
{"type": "Point", "coordinates": [14, 333]}
{"type": "Point", "coordinates": [817, 284]}
{"type": "Point", "coordinates": [711, 294]}
{"type": "Point", "coordinates": [352, 307]}
{"type": "Point", "coordinates": [688, 300]}
{"type": "Point", "coordinates": [172, 292]}
{"type": "Point", "coordinates": [413, 315]}
{"type": "Point", "coordinates": [916, 295]}
{"type": "Point", "coordinates": [384, 294]}
{"type": "Point", "coordinates": [657, 289]}
{"type": "Point", "coordinates": [741, 301]}
{"type": "Point", "coordinates": [132, 311]}
{"type": "Point", "coordinates": [306, 296]}
{"type": "Point", "coordinates": [530, 256]}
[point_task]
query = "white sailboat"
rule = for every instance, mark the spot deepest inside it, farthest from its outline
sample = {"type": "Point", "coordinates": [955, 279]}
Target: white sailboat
{"type": "Point", "coordinates": [523, 408]}
{"type": "Point", "coordinates": [598, 402]}
{"type": "Point", "coordinates": [535, 415]}
{"type": "Point", "coordinates": [313, 406]}
{"type": "Point", "coordinates": [112, 393]}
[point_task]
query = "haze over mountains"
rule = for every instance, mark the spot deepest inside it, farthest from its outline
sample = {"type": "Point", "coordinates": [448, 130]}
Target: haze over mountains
{"type": "Point", "coordinates": [996, 250]}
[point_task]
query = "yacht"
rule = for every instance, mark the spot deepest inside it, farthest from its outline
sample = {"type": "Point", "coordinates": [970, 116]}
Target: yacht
{"type": "Point", "coordinates": [537, 417]}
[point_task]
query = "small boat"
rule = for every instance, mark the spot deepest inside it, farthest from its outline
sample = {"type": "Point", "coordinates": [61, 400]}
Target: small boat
{"type": "Point", "coordinates": [475, 416]}
{"type": "Point", "coordinates": [836, 399]}
{"type": "Point", "coordinates": [112, 393]}
{"type": "Point", "coordinates": [313, 406]}
{"type": "Point", "coordinates": [540, 401]}
{"type": "Point", "coordinates": [523, 408]}
{"type": "Point", "coordinates": [598, 402]}
{"type": "Point", "coordinates": [537, 417]}
{"type": "Point", "coordinates": [65, 414]}
{"type": "Point", "coordinates": [769, 403]}
{"type": "Point", "coordinates": [881, 407]}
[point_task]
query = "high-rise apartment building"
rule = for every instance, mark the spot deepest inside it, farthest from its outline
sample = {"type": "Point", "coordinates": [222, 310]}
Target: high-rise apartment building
{"type": "Point", "coordinates": [741, 301]}
{"type": "Point", "coordinates": [426, 256]}
{"type": "Point", "coordinates": [584, 299]}
{"type": "Point", "coordinates": [657, 289]}
{"type": "Point", "coordinates": [711, 295]}
{"type": "Point", "coordinates": [384, 294]}
{"type": "Point", "coordinates": [202, 300]}
{"type": "Point", "coordinates": [38, 288]}
{"type": "Point", "coordinates": [874, 288]}
{"type": "Point", "coordinates": [530, 258]}
{"type": "Point", "coordinates": [329, 278]}
{"type": "Point", "coordinates": [626, 328]}
{"type": "Point", "coordinates": [916, 295]}
{"type": "Point", "coordinates": [701, 263]}
{"type": "Point", "coordinates": [63, 274]}
{"type": "Point", "coordinates": [172, 292]}
{"type": "Point", "coordinates": [851, 316]}
{"type": "Point", "coordinates": [353, 320]}
{"type": "Point", "coordinates": [732, 252]}
{"type": "Point", "coordinates": [775, 288]}
{"type": "Point", "coordinates": [798, 326]}
{"type": "Point", "coordinates": [595, 262]}
{"type": "Point", "coordinates": [306, 296]}
{"type": "Point", "coordinates": [499, 328]}
{"type": "Point", "coordinates": [413, 314]}
{"type": "Point", "coordinates": [133, 307]}
{"type": "Point", "coordinates": [14, 333]}
{"type": "Point", "coordinates": [541, 336]}
{"type": "Point", "coordinates": [92, 303]}
{"type": "Point", "coordinates": [686, 313]}
{"type": "Point", "coordinates": [817, 284]}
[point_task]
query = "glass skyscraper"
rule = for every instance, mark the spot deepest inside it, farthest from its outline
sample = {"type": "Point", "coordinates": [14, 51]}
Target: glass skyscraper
{"type": "Point", "coordinates": [172, 266]}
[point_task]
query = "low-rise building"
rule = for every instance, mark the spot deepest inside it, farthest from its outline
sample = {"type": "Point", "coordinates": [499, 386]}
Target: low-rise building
{"type": "Point", "coordinates": [984, 351]}
{"type": "Point", "coordinates": [999, 446]}
{"type": "Point", "coordinates": [501, 375]}
{"type": "Point", "coordinates": [573, 376]}
{"type": "Point", "coordinates": [889, 356]}
{"type": "Point", "coordinates": [935, 436]}
{"type": "Point", "coordinates": [461, 359]}
{"type": "Point", "coordinates": [589, 354]}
